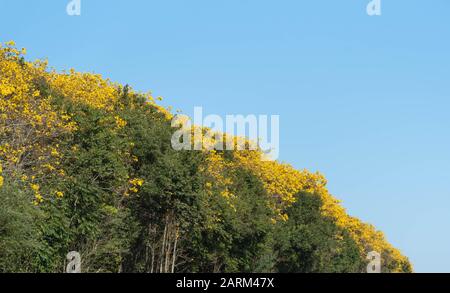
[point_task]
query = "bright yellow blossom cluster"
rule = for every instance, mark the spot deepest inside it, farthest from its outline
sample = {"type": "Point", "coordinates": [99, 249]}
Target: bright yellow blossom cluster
{"type": "Point", "coordinates": [37, 194]}
{"type": "Point", "coordinates": [134, 185]}
{"type": "Point", "coordinates": [120, 123]}
{"type": "Point", "coordinates": [1, 178]}
{"type": "Point", "coordinates": [90, 89]}
{"type": "Point", "coordinates": [59, 194]}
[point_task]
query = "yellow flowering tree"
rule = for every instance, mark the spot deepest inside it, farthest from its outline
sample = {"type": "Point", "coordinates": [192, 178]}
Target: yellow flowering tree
{"type": "Point", "coordinates": [111, 145]}
{"type": "Point", "coordinates": [29, 125]}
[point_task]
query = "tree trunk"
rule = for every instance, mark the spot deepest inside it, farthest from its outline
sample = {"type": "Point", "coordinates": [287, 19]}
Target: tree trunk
{"type": "Point", "coordinates": [174, 255]}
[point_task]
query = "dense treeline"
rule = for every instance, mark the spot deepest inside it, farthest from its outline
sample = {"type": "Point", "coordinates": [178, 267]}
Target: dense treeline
{"type": "Point", "coordinates": [87, 165]}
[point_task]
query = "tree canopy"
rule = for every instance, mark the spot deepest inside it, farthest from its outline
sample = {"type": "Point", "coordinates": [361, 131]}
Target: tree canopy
{"type": "Point", "coordinates": [87, 165]}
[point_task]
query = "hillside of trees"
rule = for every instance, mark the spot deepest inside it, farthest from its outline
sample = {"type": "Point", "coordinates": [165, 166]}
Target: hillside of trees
{"type": "Point", "coordinates": [87, 165]}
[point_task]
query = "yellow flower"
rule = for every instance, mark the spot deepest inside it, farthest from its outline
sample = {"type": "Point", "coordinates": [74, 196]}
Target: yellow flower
{"type": "Point", "coordinates": [54, 153]}
{"type": "Point", "coordinates": [137, 182]}
{"type": "Point", "coordinates": [1, 178]}
{"type": "Point", "coordinates": [38, 199]}
{"type": "Point", "coordinates": [120, 123]}
{"type": "Point", "coordinates": [35, 187]}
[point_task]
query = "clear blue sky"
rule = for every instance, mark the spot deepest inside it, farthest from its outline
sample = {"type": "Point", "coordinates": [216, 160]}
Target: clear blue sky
{"type": "Point", "coordinates": [364, 100]}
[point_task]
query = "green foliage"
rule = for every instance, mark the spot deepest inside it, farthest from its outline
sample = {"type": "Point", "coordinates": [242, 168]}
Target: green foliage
{"type": "Point", "coordinates": [19, 237]}
{"type": "Point", "coordinates": [235, 237]}
{"type": "Point", "coordinates": [309, 242]}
